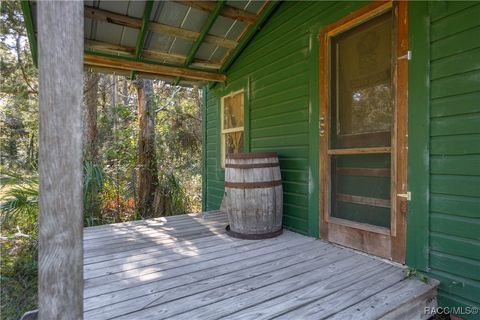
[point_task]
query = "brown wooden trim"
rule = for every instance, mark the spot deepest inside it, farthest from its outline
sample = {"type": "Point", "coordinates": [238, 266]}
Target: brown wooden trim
{"type": "Point", "coordinates": [375, 202]}
{"type": "Point", "coordinates": [157, 55]}
{"type": "Point", "coordinates": [252, 155]}
{"type": "Point", "coordinates": [112, 17]}
{"type": "Point", "coordinates": [399, 141]}
{"type": "Point", "coordinates": [252, 185]}
{"type": "Point", "coordinates": [360, 151]}
{"type": "Point", "coordinates": [227, 11]}
{"type": "Point", "coordinates": [252, 165]}
{"type": "Point", "coordinates": [135, 23]}
{"type": "Point", "coordinates": [364, 172]}
{"type": "Point", "coordinates": [100, 45]}
{"type": "Point", "coordinates": [92, 60]}
{"type": "Point", "coordinates": [324, 197]}
{"type": "Point", "coordinates": [360, 226]}
{"type": "Point", "coordinates": [358, 238]}
{"type": "Point", "coordinates": [391, 246]}
{"type": "Point", "coordinates": [361, 239]}
{"type": "Point", "coordinates": [364, 140]}
{"type": "Point", "coordinates": [357, 17]}
{"type": "Point", "coordinates": [206, 64]}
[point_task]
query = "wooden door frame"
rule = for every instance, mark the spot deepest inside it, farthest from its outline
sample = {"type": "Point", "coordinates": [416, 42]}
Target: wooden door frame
{"type": "Point", "coordinates": [389, 244]}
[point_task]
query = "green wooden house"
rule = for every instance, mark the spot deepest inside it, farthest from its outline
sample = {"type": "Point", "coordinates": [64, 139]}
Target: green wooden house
{"type": "Point", "coordinates": [291, 105]}
{"type": "Point", "coordinates": [372, 107]}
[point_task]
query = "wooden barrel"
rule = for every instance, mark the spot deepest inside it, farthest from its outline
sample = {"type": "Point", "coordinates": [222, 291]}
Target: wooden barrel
{"type": "Point", "coordinates": [253, 195]}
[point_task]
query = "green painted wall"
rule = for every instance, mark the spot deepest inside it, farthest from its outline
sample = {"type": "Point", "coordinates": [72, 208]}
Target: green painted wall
{"type": "Point", "coordinates": [448, 123]}
{"type": "Point", "coordinates": [279, 72]}
{"type": "Point", "coordinates": [283, 105]}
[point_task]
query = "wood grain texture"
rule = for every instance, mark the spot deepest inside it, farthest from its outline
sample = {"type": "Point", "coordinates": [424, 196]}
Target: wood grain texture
{"type": "Point", "coordinates": [371, 150]}
{"type": "Point", "coordinates": [60, 34]}
{"type": "Point", "coordinates": [253, 193]}
{"type": "Point", "coordinates": [228, 12]}
{"type": "Point", "coordinates": [151, 68]}
{"type": "Point", "coordinates": [238, 279]}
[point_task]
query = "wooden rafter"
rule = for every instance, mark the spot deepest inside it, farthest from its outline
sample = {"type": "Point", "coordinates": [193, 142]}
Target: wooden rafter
{"type": "Point", "coordinates": [27, 16]}
{"type": "Point", "coordinates": [142, 34]}
{"type": "Point", "coordinates": [149, 54]}
{"type": "Point", "coordinates": [205, 29]}
{"type": "Point", "coordinates": [135, 23]}
{"type": "Point", "coordinates": [248, 34]}
{"type": "Point", "coordinates": [150, 67]}
{"type": "Point", "coordinates": [227, 11]}
{"type": "Point", "coordinates": [144, 75]}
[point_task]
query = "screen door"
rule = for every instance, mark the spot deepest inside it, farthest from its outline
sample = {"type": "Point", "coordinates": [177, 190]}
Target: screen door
{"type": "Point", "coordinates": [359, 127]}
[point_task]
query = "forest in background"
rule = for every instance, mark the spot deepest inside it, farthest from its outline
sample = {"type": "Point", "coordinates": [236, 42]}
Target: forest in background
{"type": "Point", "coordinates": [142, 156]}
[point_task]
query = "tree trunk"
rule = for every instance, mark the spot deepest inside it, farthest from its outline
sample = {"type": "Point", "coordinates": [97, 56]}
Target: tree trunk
{"type": "Point", "coordinates": [125, 92]}
{"type": "Point", "coordinates": [90, 129]}
{"type": "Point", "coordinates": [147, 162]}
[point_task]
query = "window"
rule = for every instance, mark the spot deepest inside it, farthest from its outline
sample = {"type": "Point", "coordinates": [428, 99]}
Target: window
{"type": "Point", "coordinates": [231, 124]}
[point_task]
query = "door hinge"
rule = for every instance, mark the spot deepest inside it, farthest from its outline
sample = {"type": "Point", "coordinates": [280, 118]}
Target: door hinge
{"type": "Point", "coordinates": [407, 195]}
{"type": "Point", "coordinates": [407, 56]}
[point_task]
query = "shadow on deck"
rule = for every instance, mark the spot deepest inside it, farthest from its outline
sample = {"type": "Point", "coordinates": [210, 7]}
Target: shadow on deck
{"type": "Point", "coordinates": [186, 267]}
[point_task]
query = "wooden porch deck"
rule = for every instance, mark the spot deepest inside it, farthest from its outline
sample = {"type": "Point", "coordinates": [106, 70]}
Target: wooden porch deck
{"type": "Point", "coordinates": [185, 267]}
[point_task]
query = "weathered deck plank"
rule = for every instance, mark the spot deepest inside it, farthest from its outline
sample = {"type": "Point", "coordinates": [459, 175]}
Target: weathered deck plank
{"type": "Point", "coordinates": [185, 267]}
{"type": "Point", "coordinates": [198, 261]}
{"type": "Point", "coordinates": [151, 291]}
{"type": "Point", "coordinates": [133, 279]}
{"type": "Point", "coordinates": [227, 284]}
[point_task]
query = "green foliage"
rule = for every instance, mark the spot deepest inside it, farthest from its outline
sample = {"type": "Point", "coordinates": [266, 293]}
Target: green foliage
{"type": "Point", "coordinates": [19, 211]}
{"type": "Point", "coordinates": [18, 97]}
{"type": "Point", "coordinates": [19, 200]}
{"type": "Point", "coordinates": [109, 180]}
{"type": "Point", "coordinates": [92, 185]}
{"type": "Point", "coordinates": [414, 273]}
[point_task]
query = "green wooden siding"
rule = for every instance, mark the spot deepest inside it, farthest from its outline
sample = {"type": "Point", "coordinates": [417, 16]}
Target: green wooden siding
{"type": "Point", "coordinates": [279, 68]}
{"type": "Point", "coordinates": [454, 224]}
{"type": "Point", "coordinates": [279, 64]}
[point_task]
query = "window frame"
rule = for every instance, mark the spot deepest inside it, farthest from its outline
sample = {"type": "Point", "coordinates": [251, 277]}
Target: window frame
{"type": "Point", "coordinates": [224, 131]}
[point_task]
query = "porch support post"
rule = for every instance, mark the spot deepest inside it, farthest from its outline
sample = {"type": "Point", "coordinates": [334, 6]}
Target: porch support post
{"type": "Point", "coordinates": [60, 62]}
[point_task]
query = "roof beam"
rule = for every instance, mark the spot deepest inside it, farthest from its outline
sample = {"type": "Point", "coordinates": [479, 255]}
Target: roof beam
{"type": "Point", "coordinates": [135, 23]}
{"type": "Point", "coordinates": [149, 54]}
{"type": "Point", "coordinates": [143, 32]}
{"type": "Point", "coordinates": [144, 75]}
{"type": "Point", "coordinates": [228, 11]}
{"type": "Point", "coordinates": [27, 16]}
{"type": "Point", "coordinates": [203, 33]}
{"type": "Point", "coordinates": [125, 63]}
{"type": "Point", "coordinates": [144, 29]}
{"type": "Point", "coordinates": [249, 34]}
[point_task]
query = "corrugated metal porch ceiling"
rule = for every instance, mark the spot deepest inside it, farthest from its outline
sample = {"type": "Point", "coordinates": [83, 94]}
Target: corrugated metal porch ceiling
{"type": "Point", "coordinates": [198, 39]}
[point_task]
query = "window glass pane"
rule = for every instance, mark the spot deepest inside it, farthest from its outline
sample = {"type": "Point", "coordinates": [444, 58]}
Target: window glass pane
{"type": "Point", "coordinates": [233, 111]}
{"type": "Point", "coordinates": [362, 69]}
{"type": "Point", "coordinates": [233, 142]}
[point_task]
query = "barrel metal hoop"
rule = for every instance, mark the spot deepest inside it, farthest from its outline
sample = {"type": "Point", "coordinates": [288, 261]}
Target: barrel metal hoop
{"type": "Point", "coordinates": [250, 236]}
{"type": "Point", "coordinates": [251, 165]}
{"type": "Point", "coordinates": [252, 155]}
{"type": "Point", "coordinates": [252, 185]}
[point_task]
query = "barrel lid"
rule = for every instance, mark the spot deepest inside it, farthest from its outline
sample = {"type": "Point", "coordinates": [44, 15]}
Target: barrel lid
{"type": "Point", "coordinates": [252, 155]}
